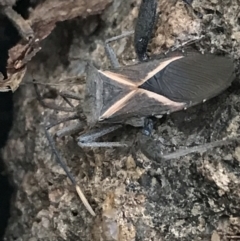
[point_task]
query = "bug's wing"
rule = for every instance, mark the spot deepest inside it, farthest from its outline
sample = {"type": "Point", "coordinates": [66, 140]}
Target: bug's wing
{"type": "Point", "coordinates": [193, 78]}
{"type": "Point", "coordinates": [181, 83]}
{"type": "Point", "coordinates": [156, 87]}
{"type": "Point", "coordinates": [107, 92]}
{"type": "Point", "coordinates": [139, 73]}
{"type": "Point", "coordinates": [141, 103]}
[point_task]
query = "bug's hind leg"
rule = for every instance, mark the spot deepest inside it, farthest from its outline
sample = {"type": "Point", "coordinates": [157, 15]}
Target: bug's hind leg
{"type": "Point", "coordinates": [151, 149]}
{"type": "Point", "coordinates": [61, 162]}
{"type": "Point", "coordinates": [109, 51]}
{"type": "Point", "coordinates": [200, 148]}
{"type": "Point", "coordinates": [89, 139]}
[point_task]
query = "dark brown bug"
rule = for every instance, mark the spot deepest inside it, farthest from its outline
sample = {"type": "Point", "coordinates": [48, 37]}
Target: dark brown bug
{"type": "Point", "coordinates": [154, 87]}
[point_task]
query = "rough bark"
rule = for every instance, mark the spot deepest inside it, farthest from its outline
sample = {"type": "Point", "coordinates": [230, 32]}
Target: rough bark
{"type": "Point", "coordinates": [41, 19]}
{"type": "Point", "coordinates": [195, 197]}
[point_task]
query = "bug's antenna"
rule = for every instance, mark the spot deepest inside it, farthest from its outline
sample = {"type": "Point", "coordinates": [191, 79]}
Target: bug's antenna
{"type": "Point", "coordinates": [60, 161]}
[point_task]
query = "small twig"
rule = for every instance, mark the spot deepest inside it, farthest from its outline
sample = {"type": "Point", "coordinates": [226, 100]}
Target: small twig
{"type": "Point", "coordinates": [21, 24]}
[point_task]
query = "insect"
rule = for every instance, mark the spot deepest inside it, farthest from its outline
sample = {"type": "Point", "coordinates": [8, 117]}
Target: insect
{"type": "Point", "coordinates": [130, 95]}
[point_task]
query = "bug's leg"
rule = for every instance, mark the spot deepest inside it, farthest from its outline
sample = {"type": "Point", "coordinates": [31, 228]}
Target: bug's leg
{"type": "Point", "coordinates": [22, 26]}
{"type": "Point", "coordinates": [109, 51]}
{"type": "Point", "coordinates": [200, 148]}
{"type": "Point", "coordinates": [64, 94]}
{"type": "Point", "coordinates": [70, 130]}
{"type": "Point", "coordinates": [70, 95]}
{"type": "Point", "coordinates": [62, 120]}
{"type": "Point", "coordinates": [89, 139]}
{"type": "Point", "coordinates": [144, 27]}
{"type": "Point", "coordinates": [65, 131]}
{"type": "Point", "coordinates": [181, 45]}
{"type": "Point", "coordinates": [61, 162]}
{"type": "Point", "coordinates": [52, 105]}
{"type": "Point", "coordinates": [151, 149]}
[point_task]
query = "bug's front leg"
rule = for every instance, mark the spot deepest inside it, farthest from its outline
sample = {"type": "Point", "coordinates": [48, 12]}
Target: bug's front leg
{"type": "Point", "coordinates": [110, 52]}
{"type": "Point", "coordinates": [53, 106]}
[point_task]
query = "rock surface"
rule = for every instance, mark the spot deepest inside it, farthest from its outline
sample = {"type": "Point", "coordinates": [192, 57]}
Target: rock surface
{"type": "Point", "coordinates": [195, 197]}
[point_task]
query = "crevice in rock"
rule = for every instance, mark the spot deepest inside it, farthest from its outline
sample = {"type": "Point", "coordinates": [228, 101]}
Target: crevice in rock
{"type": "Point", "coordinates": [6, 115]}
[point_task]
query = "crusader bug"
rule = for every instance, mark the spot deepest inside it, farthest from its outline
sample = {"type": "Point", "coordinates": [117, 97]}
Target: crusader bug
{"type": "Point", "coordinates": [132, 94]}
